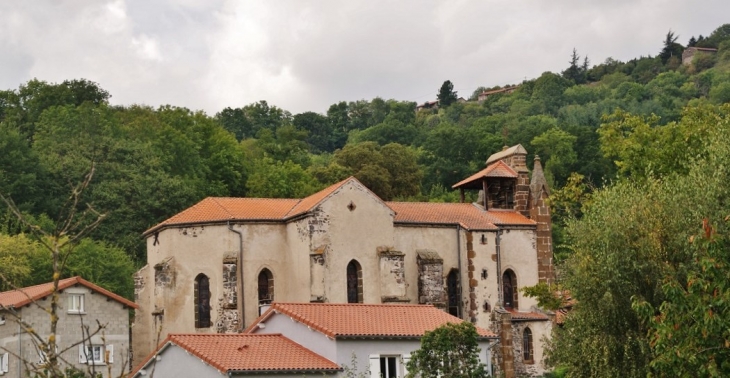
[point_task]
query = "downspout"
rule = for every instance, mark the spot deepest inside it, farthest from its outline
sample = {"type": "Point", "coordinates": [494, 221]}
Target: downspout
{"type": "Point", "coordinates": [458, 261]}
{"type": "Point", "coordinates": [240, 263]}
{"type": "Point", "coordinates": [20, 349]}
{"type": "Point", "coordinates": [499, 268]}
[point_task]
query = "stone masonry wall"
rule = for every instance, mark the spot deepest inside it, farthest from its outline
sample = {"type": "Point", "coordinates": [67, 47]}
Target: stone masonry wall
{"type": "Point", "coordinates": [228, 315]}
{"type": "Point", "coordinates": [430, 278]}
{"type": "Point", "coordinates": [540, 213]}
{"type": "Point", "coordinates": [392, 276]}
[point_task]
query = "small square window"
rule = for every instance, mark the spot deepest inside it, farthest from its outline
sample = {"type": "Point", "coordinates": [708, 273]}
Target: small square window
{"type": "Point", "coordinates": [76, 303]}
{"type": "Point", "coordinates": [389, 366]}
{"type": "Point", "coordinates": [2, 319]}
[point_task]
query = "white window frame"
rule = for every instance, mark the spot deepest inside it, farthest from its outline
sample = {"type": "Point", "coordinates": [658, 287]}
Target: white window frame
{"type": "Point", "coordinates": [76, 303]}
{"type": "Point", "coordinates": [96, 354]}
{"type": "Point", "coordinates": [400, 365]}
{"type": "Point", "coordinates": [4, 363]}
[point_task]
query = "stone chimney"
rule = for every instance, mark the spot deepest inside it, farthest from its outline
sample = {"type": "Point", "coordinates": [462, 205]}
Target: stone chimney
{"type": "Point", "coordinates": [522, 189]}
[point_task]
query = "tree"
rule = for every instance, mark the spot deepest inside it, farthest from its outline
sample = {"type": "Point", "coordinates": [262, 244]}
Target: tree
{"type": "Point", "coordinates": [671, 47]}
{"type": "Point", "coordinates": [451, 350]}
{"type": "Point", "coordinates": [631, 257]}
{"type": "Point", "coordinates": [446, 95]}
{"type": "Point", "coordinates": [690, 330]}
{"type": "Point", "coordinates": [575, 72]}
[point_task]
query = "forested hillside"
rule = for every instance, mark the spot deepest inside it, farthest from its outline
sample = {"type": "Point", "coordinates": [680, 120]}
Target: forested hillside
{"type": "Point", "coordinates": [152, 163]}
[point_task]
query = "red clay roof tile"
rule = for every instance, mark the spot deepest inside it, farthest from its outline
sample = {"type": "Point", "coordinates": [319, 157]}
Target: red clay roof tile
{"type": "Point", "coordinates": [223, 209]}
{"type": "Point", "coordinates": [498, 169]}
{"type": "Point", "coordinates": [247, 352]}
{"type": "Point", "coordinates": [349, 320]}
{"type": "Point", "coordinates": [26, 295]}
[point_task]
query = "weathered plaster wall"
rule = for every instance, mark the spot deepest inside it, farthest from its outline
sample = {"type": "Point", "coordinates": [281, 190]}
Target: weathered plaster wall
{"type": "Point", "coordinates": [518, 253]}
{"type": "Point", "coordinates": [358, 223]}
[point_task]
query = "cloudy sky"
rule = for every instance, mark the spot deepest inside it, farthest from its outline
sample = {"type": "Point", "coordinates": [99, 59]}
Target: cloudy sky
{"type": "Point", "coordinates": [305, 55]}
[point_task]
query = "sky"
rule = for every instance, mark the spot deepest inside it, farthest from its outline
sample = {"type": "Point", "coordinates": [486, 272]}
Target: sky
{"type": "Point", "coordinates": [306, 55]}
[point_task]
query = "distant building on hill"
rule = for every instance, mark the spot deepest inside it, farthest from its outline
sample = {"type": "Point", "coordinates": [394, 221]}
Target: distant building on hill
{"type": "Point", "coordinates": [485, 95]}
{"type": "Point", "coordinates": [690, 52]}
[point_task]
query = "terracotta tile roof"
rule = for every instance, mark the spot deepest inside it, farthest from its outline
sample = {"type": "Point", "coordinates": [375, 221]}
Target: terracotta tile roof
{"type": "Point", "coordinates": [467, 215]}
{"type": "Point", "coordinates": [237, 352]}
{"type": "Point", "coordinates": [516, 315]}
{"type": "Point", "coordinates": [498, 169]}
{"type": "Point", "coordinates": [349, 320]}
{"type": "Point", "coordinates": [222, 209]}
{"type": "Point", "coordinates": [26, 295]}
{"type": "Point", "coordinates": [315, 199]}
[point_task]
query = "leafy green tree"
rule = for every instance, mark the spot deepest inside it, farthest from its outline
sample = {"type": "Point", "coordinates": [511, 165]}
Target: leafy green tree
{"type": "Point", "coordinates": [276, 179]}
{"type": "Point", "coordinates": [235, 121]}
{"type": "Point", "coordinates": [555, 146]}
{"type": "Point", "coordinates": [630, 243]}
{"type": "Point", "coordinates": [451, 350]}
{"type": "Point", "coordinates": [15, 268]}
{"type": "Point", "coordinates": [690, 332]}
{"type": "Point", "coordinates": [321, 136]}
{"type": "Point", "coordinates": [446, 95]}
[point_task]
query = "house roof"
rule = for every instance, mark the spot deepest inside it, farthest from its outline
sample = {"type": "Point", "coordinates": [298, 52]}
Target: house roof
{"type": "Point", "coordinates": [467, 215]}
{"type": "Point", "coordinates": [498, 169]}
{"type": "Point", "coordinates": [246, 353]}
{"type": "Point", "coordinates": [26, 295]}
{"type": "Point", "coordinates": [517, 149]}
{"type": "Point", "coordinates": [351, 320]}
{"type": "Point", "coordinates": [224, 209]}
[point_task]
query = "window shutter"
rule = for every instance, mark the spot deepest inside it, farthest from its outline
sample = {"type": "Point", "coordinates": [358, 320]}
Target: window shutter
{"type": "Point", "coordinates": [374, 366]}
{"type": "Point", "coordinates": [4, 366]}
{"type": "Point", "coordinates": [109, 354]}
{"type": "Point", "coordinates": [406, 360]}
{"type": "Point", "coordinates": [82, 354]}
{"type": "Point", "coordinates": [41, 356]}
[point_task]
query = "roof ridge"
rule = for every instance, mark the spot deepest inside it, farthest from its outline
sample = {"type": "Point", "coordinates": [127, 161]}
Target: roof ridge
{"type": "Point", "coordinates": [215, 200]}
{"type": "Point", "coordinates": [37, 285]}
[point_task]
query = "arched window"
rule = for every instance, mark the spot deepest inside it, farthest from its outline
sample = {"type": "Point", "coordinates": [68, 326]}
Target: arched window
{"type": "Point", "coordinates": [266, 287]}
{"type": "Point", "coordinates": [453, 289]}
{"type": "Point", "coordinates": [509, 289]}
{"type": "Point", "coordinates": [202, 301]}
{"type": "Point", "coordinates": [354, 282]}
{"type": "Point", "coordinates": [527, 352]}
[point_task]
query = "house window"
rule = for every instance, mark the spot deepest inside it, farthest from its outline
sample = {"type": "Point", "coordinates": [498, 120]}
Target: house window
{"type": "Point", "coordinates": [527, 351]}
{"type": "Point", "coordinates": [354, 282]}
{"type": "Point", "coordinates": [2, 319]}
{"type": "Point", "coordinates": [96, 354]}
{"type": "Point", "coordinates": [4, 363]}
{"type": "Point", "coordinates": [388, 366]}
{"type": "Point", "coordinates": [509, 289]}
{"type": "Point", "coordinates": [76, 303]}
{"type": "Point", "coordinates": [453, 289]}
{"type": "Point", "coordinates": [266, 287]}
{"type": "Point", "coordinates": [202, 301]}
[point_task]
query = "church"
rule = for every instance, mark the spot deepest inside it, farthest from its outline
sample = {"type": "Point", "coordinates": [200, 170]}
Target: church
{"type": "Point", "coordinates": [218, 265]}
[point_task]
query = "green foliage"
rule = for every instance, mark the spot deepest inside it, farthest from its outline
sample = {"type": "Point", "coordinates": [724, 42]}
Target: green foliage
{"type": "Point", "coordinates": [547, 295]}
{"type": "Point", "coordinates": [14, 261]}
{"type": "Point", "coordinates": [451, 350]}
{"type": "Point", "coordinates": [556, 147]}
{"type": "Point", "coordinates": [632, 241]}
{"type": "Point", "coordinates": [690, 330]}
{"type": "Point", "coordinates": [276, 179]}
{"type": "Point", "coordinates": [446, 95]}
